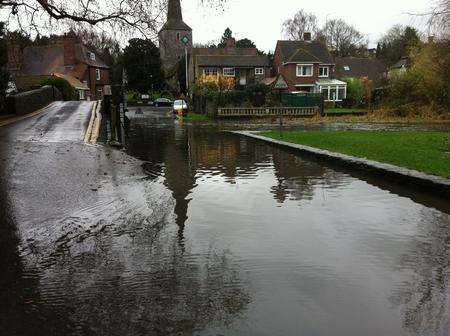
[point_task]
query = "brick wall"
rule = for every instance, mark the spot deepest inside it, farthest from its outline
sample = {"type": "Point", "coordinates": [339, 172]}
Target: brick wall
{"type": "Point", "coordinates": [30, 101]}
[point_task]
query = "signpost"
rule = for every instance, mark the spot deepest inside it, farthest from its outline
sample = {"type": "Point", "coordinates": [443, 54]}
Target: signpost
{"type": "Point", "coordinates": [186, 41]}
{"type": "Point", "coordinates": [280, 85]}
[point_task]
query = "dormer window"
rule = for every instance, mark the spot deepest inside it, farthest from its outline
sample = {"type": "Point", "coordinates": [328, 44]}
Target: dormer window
{"type": "Point", "coordinates": [92, 56]}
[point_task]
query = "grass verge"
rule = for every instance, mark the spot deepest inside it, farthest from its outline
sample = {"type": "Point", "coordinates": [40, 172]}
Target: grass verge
{"type": "Point", "coordinates": [345, 110]}
{"type": "Point", "coordinates": [196, 117]}
{"type": "Point", "coordinates": [424, 151]}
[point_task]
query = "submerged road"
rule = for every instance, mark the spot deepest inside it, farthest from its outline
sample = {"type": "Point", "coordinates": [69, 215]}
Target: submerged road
{"type": "Point", "coordinates": [56, 194]}
{"type": "Point", "coordinates": [197, 232]}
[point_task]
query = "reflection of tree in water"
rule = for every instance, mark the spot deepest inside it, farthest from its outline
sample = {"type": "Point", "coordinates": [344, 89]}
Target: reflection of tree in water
{"type": "Point", "coordinates": [424, 300]}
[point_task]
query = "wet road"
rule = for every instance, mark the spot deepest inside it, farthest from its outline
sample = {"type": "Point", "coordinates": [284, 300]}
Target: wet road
{"type": "Point", "coordinates": [212, 234]}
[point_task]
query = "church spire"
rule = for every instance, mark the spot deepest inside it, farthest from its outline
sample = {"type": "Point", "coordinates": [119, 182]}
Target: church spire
{"type": "Point", "coordinates": [175, 17]}
{"type": "Point", "coordinates": [174, 10]}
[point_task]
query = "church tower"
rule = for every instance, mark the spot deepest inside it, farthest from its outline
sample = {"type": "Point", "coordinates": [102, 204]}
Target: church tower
{"type": "Point", "coordinates": [174, 37]}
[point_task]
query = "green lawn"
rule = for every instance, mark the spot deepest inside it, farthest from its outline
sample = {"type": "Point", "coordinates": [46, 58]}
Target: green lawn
{"type": "Point", "coordinates": [428, 152]}
{"type": "Point", "coordinates": [344, 110]}
{"type": "Point", "coordinates": [196, 117]}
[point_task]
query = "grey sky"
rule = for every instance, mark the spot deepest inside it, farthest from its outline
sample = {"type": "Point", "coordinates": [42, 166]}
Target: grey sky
{"type": "Point", "coordinates": [261, 20]}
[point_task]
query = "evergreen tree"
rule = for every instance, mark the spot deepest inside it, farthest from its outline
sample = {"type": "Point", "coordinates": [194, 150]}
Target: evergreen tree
{"type": "Point", "coordinates": [226, 35]}
{"type": "Point", "coordinates": [142, 61]}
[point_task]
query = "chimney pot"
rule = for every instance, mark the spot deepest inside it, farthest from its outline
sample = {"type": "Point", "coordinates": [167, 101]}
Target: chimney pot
{"type": "Point", "coordinates": [307, 36]}
{"type": "Point", "coordinates": [231, 43]}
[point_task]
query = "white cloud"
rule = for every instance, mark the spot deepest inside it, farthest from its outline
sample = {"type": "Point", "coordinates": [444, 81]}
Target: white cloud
{"type": "Point", "coordinates": [261, 20]}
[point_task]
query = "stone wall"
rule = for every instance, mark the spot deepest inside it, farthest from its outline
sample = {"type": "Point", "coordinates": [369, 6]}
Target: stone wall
{"type": "Point", "coordinates": [30, 101]}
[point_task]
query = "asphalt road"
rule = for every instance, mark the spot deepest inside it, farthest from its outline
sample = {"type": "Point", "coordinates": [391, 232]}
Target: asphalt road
{"type": "Point", "coordinates": [55, 189]}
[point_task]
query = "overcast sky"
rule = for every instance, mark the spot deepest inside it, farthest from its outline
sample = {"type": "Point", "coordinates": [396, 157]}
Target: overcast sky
{"type": "Point", "coordinates": [261, 20]}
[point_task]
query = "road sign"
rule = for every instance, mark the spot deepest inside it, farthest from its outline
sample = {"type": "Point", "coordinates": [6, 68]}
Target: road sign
{"type": "Point", "coordinates": [185, 40]}
{"type": "Point", "coordinates": [280, 84]}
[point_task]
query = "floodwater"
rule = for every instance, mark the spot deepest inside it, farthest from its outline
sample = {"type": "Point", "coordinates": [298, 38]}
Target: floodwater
{"type": "Point", "coordinates": [229, 236]}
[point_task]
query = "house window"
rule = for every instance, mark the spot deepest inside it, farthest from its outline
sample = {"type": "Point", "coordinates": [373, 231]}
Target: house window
{"type": "Point", "coordinates": [81, 95]}
{"type": "Point", "coordinates": [229, 72]}
{"type": "Point", "coordinates": [324, 71]}
{"type": "Point", "coordinates": [100, 94]}
{"type": "Point", "coordinates": [304, 70]}
{"type": "Point", "coordinates": [259, 71]}
{"type": "Point", "coordinates": [178, 36]}
{"type": "Point", "coordinates": [98, 74]}
{"type": "Point", "coordinates": [210, 71]}
{"type": "Point", "coordinates": [92, 56]}
{"type": "Point", "coordinates": [346, 68]}
{"type": "Point", "coordinates": [335, 93]}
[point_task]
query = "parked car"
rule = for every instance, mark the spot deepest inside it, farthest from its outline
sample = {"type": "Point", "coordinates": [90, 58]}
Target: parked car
{"type": "Point", "coordinates": [163, 102]}
{"type": "Point", "coordinates": [180, 108]}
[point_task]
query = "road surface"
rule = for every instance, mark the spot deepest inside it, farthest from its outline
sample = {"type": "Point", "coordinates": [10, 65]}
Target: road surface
{"type": "Point", "coordinates": [55, 193]}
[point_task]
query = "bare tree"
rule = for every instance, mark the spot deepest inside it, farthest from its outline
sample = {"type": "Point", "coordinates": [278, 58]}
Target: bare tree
{"type": "Point", "coordinates": [301, 23]}
{"type": "Point", "coordinates": [144, 16]}
{"type": "Point", "coordinates": [342, 38]}
{"type": "Point", "coordinates": [439, 17]}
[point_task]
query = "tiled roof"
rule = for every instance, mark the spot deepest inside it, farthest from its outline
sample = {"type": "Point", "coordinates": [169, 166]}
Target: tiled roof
{"type": "Point", "coordinates": [304, 51]}
{"type": "Point", "coordinates": [233, 61]}
{"type": "Point", "coordinates": [355, 67]}
{"type": "Point", "coordinates": [74, 82]}
{"type": "Point", "coordinates": [45, 60]}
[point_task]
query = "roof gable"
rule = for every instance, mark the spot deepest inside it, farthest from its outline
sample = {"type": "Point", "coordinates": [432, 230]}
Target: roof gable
{"type": "Point", "coordinates": [303, 51]}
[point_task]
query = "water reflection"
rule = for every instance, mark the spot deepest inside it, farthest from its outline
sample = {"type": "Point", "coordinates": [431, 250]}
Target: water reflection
{"type": "Point", "coordinates": [424, 299]}
{"type": "Point", "coordinates": [355, 244]}
{"type": "Point", "coordinates": [224, 236]}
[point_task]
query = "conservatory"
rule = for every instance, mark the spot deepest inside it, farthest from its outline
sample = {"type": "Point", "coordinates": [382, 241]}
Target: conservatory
{"type": "Point", "coordinates": [333, 90]}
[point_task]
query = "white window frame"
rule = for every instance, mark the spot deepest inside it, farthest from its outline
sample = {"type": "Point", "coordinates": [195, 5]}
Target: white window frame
{"type": "Point", "coordinates": [259, 71]}
{"type": "Point", "coordinates": [336, 88]}
{"type": "Point", "coordinates": [225, 70]}
{"type": "Point", "coordinates": [300, 70]}
{"type": "Point", "coordinates": [346, 68]}
{"type": "Point", "coordinates": [98, 74]}
{"type": "Point", "coordinates": [210, 72]}
{"type": "Point", "coordinates": [81, 95]}
{"type": "Point", "coordinates": [327, 71]}
{"type": "Point", "coordinates": [92, 56]}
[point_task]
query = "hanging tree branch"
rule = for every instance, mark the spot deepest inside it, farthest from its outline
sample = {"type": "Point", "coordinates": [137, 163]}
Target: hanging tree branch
{"type": "Point", "coordinates": [144, 16]}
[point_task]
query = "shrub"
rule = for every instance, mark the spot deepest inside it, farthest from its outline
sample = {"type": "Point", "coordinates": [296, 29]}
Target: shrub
{"type": "Point", "coordinates": [355, 92]}
{"type": "Point", "coordinates": [67, 91]}
{"type": "Point", "coordinates": [425, 83]}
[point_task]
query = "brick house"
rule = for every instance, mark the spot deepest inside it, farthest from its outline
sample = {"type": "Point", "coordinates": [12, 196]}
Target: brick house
{"type": "Point", "coordinates": [245, 65]}
{"type": "Point", "coordinates": [66, 58]}
{"type": "Point", "coordinates": [307, 66]}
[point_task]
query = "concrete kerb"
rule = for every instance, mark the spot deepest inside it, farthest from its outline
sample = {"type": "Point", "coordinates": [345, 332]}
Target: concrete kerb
{"type": "Point", "coordinates": [430, 183]}
{"type": "Point", "coordinates": [93, 129]}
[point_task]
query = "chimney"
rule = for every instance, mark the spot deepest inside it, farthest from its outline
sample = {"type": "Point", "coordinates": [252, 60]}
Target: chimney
{"type": "Point", "coordinates": [231, 43]}
{"type": "Point", "coordinates": [307, 36]}
{"type": "Point", "coordinates": [15, 53]}
{"type": "Point", "coordinates": [69, 42]}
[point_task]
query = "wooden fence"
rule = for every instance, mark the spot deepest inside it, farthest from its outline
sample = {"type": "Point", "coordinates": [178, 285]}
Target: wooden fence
{"type": "Point", "coordinates": [268, 111]}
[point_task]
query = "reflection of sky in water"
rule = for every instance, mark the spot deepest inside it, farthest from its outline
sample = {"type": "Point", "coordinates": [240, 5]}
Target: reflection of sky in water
{"type": "Point", "coordinates": [229, 236]}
